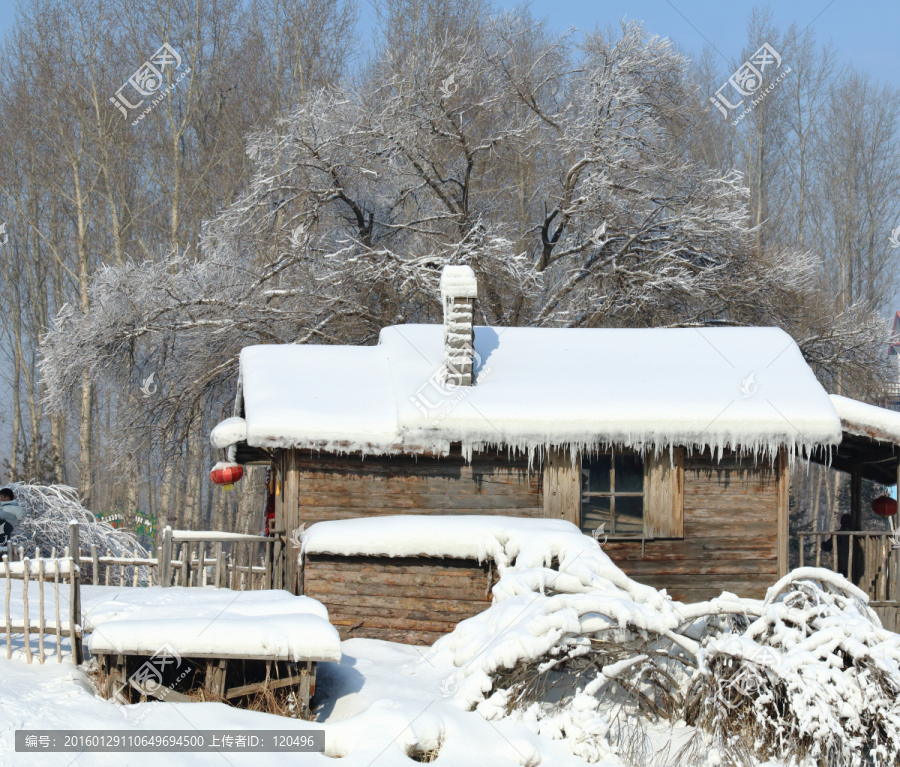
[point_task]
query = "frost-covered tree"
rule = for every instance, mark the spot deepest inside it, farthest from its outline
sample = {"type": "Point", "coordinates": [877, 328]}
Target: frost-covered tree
{"type": "Point", "coordinates": [559, 173]}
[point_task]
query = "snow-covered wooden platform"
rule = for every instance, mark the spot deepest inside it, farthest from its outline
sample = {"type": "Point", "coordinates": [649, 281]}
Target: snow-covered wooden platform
{"type": "Point", "coordinates": [163, 642]}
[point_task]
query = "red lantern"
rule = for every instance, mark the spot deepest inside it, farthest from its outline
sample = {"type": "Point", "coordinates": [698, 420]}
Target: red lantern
{"type": "Point", "coordinates": [884, 506]}
{"type": "Point", "coordinates": [226, 474]}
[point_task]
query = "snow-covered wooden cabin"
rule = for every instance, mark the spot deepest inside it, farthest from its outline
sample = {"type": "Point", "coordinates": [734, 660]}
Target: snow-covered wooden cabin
{"type": "Point", "coordinates": [676, 441]}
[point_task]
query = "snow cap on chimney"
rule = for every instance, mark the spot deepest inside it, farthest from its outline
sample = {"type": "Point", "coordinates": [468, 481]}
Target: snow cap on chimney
{"type": "Point", "coordinates": [458, 291]}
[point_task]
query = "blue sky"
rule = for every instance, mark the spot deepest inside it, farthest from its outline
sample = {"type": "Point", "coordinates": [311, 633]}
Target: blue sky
{"type": "Point", "coordinates": [865, 32]}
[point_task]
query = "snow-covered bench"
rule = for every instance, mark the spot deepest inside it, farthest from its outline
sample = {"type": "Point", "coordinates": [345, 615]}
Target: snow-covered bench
{"type": "Point", "coordinates": [149, 641]}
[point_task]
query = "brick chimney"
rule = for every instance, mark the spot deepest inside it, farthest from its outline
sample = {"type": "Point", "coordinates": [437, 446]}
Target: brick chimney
{"type": "Point", "coordinates": [458, 291]}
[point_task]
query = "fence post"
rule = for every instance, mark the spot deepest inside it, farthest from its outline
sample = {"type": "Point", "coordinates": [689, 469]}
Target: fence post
{"type": "Point", "coordinates": [74, 545]}
{"type": "Point", "coordinates": [165, 565]}
{"type": "Point", "coordinates": [95, 564]}
{"type": "Point", "coordinates": [75, 578]}
{"type": "Point", "coordinates": [220, 564]}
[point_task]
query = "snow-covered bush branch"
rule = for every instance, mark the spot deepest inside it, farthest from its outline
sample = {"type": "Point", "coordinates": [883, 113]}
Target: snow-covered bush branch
{"type": "Point", "coordinates": [581, 653]}
{"type": "Point", "coordinates": [44, 525]}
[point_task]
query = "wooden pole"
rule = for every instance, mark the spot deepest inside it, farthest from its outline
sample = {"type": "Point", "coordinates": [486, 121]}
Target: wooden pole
{"type": "Point", "coordinates": [27, 622]}
{"type": "Point", "coordinates": [8, 619]}
{"type": "Point", "coordinates": [75, 614]}
{"type": "Point", "coordinates": [95, 564]}
{"type": "Point", "coordinates": [278, 467]}
{"type": "Point", "coordinates": [165, 565]}
{"type": "Point", "coordinates": [56, 604]}
{"type": "Point", "coordinates": [220, 564]}
{"type": "Point", "coordinates": [41, 623]}
{"type": "Point", "coordinates": [74, 544]}
{"type": "Point", "coordinates": [75, 607]}
{"type": "Point", "coordinates": [291, 516]}
{"type": "Point", "coordinates": [857, 524]}
{"type": "Point", "coordinates": [784, 525]}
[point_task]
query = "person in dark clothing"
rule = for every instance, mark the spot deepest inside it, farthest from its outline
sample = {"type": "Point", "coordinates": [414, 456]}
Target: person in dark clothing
{"type": "Point", "coordinates": [843, 547]}
{"type": "Point", "coordinates": [10, 513]}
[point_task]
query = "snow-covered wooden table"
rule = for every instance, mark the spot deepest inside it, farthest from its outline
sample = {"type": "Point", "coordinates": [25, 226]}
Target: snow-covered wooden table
{"type": "Point", "coordinates": [161, 643]}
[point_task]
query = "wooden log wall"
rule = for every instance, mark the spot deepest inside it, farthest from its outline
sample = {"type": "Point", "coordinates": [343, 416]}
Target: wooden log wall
{"type": "Point", "coordinates": [414, 600]}
{"type": "Point", "coordinates": [349, 487]}
{"type": "Point", "coordinates": [730, 534]}
{"type": "Point", "coordinates": [729, 543]}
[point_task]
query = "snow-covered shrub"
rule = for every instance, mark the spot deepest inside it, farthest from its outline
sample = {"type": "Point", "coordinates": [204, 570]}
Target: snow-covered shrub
{"type": "Point", "coordinates": [815, 675]}
{"type": "Point", "coordinates": [45, 523]}
{"type": "Point", "coordinates": [583, 653]}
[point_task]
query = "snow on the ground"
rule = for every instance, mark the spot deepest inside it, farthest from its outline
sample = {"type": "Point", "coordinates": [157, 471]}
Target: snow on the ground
{"type": "Point", "coordinates": [383, 700]}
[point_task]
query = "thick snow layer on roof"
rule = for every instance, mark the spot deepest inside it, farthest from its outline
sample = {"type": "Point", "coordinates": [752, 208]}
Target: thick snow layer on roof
{"type": "Point", "coordinates": [228, 432]}
{"type": "Point", "coordinates": [284, 637]}
{"type": "Point", "coordinates": [867, 420]}
{"type": "Point", "coordinates": [206, 621]}
{"type": "Point", "coordinates": [446, 535]}
{"type": "Point", "coordinates": [744, 388]}
{"type": "Point", "coordinates": [318, 395]}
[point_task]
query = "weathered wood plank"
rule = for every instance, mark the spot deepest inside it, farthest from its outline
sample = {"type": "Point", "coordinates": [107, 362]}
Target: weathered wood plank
{"type": "Point", "coordinates": [449, 567]}
{"type": "Point", "coordinates": [718, 548]}
{"type": "Point", "coordinates": [419, 613]}
{"type": "Point", "coordinates": [317, 589]}
{"type": "Point", "coordinates": [701, 567]}
{"type": "Point", "coordinates": [400, 503]}
{"type": "Point", "coordinates": [421, 638]}
{"type": "Point", "coordinates": [396, 601]}
{"type": "Point", "coordinates": [399, 467]}
{"type": "Point", "coordinates": [685, 581]}
{"type": "Point", "coordinates": [664, 498]}
{"type": "Point", "coordinates": [562, 486]}
{"type": "Point", "coordinates": [312, 515]}
{"type": "Point", "coordinates": [405, 581]}
{"type": "Point", "coordinates": [783, 516]}
{"type": "Point", "coordinates": [382, 485]}
{"type": "Point", "coordinates": [291, 515]}
{"type": "Point", "coordinates": [391, 622]}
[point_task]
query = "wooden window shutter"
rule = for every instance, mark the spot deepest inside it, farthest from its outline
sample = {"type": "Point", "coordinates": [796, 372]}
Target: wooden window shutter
{"type": "Point", "coordinates": [562, 486]}
{"type": "Point", "coordinates": [664, 495]}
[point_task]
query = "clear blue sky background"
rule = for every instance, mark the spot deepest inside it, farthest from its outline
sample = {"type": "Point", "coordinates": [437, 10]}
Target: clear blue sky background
{"type": "Point", "coordinates": [865, 32]}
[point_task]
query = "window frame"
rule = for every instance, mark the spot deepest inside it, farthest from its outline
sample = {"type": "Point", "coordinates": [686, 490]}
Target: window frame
{"type": "Point", "coordinates": [663, 492]}
{"type": "Point", "coordinates": [612, 494]}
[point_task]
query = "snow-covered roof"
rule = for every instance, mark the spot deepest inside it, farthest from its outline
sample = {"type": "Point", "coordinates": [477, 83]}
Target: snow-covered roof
{"type": "Point", "coordinates": [443, 535]}
{"type": "Point", "coordinates": [745, 388]}
{"type": "Point", "coordinates": [864, 420]}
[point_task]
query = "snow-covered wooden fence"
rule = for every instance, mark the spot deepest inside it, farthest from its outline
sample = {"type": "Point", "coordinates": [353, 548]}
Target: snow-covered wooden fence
{"type": "Point", "coordinates": [110, 570]}
{"type": "Point", "coordinates": [868, 558]}
{"type": "Point", "coordinates": [186, 558]}
{"type": "Point", "coordinates": [198, 558]}
{"type": "Point", "coordinates": [65, 608]}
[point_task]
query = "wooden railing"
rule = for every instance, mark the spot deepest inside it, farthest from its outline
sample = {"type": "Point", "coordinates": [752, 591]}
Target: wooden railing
{"type": "Point", "coordinates": [64, 620]}
{"type": "Point", "coordinates": [186, 558]}
{"type": "Point", "coordinates": [873, 562]}
{"type": "Point", "coordinates": [198, 558]}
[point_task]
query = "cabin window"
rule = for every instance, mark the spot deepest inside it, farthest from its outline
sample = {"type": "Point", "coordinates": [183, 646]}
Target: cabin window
{"type": "Point", "coordinates": [612, 493]}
